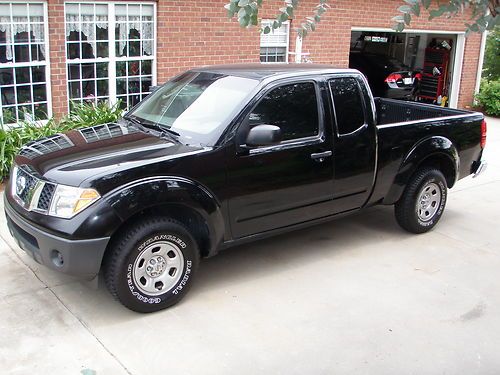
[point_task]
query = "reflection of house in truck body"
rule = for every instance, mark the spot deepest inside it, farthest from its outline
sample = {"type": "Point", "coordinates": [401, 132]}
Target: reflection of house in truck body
{"type": "Point", "coordinates": [55, 52]}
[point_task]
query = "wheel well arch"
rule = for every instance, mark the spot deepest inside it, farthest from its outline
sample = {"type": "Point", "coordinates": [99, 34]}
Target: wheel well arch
{"type": "Point", "coordinates": [442, 162]}
{"type": "Point", "coordinates": [187, 216]}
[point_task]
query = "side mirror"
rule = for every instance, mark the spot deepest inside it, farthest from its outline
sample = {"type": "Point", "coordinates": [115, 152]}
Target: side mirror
{"type": "Point", "coordinates": [264, 135]}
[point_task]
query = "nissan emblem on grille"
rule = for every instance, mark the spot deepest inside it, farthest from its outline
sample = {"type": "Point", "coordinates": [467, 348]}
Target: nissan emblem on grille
{"type": "Point", "coordinates": [20, 185]}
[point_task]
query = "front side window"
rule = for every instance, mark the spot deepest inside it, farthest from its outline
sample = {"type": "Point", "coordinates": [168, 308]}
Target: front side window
{"type": "Point", "coordinates": [109, 57]}
{"type": "Point", "coordinates": [348, 104]}
{"type": "Point", "coordinates": [294, 108]}
{"type": "Point", "coordinates": [23, 66]}
{"type": "Point", "coordinates": [274, 46]}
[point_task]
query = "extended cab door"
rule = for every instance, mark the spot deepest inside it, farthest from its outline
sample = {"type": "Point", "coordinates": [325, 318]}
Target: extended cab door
{"type": "Point", "coordinates": [288, 183]}
{"type": "Point", "coordinates": [355, 145]}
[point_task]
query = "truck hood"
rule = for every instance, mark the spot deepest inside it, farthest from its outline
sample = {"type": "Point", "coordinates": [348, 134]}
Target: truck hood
{"type": "Point", "coordinates": [73, 157]}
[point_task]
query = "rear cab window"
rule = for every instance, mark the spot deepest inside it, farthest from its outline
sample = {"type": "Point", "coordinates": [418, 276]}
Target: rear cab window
{"type": "Point", "coordinates": [348, 104]}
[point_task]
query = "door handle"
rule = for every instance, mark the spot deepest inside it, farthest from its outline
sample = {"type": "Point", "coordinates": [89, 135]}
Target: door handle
{"type": "Point", "coordinates": [321, 156]}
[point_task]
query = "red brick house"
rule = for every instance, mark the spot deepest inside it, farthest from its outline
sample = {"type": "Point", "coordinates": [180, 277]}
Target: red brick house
{"type": "Point", "coordinates": [56, 51]}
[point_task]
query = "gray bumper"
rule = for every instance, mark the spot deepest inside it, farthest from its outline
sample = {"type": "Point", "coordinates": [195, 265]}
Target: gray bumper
{"type": "Point", "coordinates": [81, 258]}
{"type": "Point", "coordinates": [479, 168]}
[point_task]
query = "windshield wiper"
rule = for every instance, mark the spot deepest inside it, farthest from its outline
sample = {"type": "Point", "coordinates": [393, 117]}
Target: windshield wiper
{"type": "Point", "coordinates": [144, 125]}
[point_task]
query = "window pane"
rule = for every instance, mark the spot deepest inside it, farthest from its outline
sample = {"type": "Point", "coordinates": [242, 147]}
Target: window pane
{"type": "Point", "coordinates": [22, 53]}
{"type": "Point", "coordinates": [74, 89]}
{"type": "Point", "coordinates": [88, 88]}
{"type": "Point", "coordinates": [8, 95]}
{"type": "Point", "coordinates": [102, 87]}
{"type": "Point", "coordinates": [146, 67]}
{"type": "Point", "coordinates": [9, 115]}
{"type": "Point", "coordinates": [20, 13]}
{"type": "Point", "coordinates": [121, 86]}
{"type": "Point", "coordinates": [73, 51]}
{"type": "Point", "coordinates": [38, 73]}
{"type": "Point", "coordinates": [74, 71]}
{"type": "Point", "coordinates": [88, 51]}
{"type": "Point", "coordinates": [24, 94]}
{"type": "Point", "coordinates": [348, 104]}
{"type": "Point", "coordinates": [39, 93]}
{"type": "Point", "coordinates": [37, 52]}
{"type": "Point", "coordinates": [88, 70]}
{"type": "Point", "coordinates": [133, 68]}
{"type": "Point", "coordinates": [36, 10]}
{"type": "Point", "coordinates": [41, 111]}
{"type": "Point", "coordinates": [23, 75]}
{"type": "Point", "coordinates": [294, 108]}
{"type": "Point", "coordinates": [121, 68]}
{"type": "Point", "coordinates": [102, 70]}
{"type": "Point", "coordinates": [6, 76]}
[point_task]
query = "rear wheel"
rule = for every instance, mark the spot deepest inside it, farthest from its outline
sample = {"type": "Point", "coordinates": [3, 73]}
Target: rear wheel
{"type": "Point", "coordinates": [423, 201]}
{"type": "Point", "coordinates": [152, 265]}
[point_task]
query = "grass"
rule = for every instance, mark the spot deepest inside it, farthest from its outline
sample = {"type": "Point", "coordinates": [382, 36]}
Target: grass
{"type": "Point", "coordinates": [81, 115]}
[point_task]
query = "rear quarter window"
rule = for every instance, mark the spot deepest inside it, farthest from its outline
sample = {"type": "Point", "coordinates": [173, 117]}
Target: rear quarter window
{"type": "Point", "coordinates": [348, 103]}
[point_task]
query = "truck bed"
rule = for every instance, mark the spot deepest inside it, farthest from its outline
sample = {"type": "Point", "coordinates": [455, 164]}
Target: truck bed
{"type": "Point", "coordinates": [401, 124]}
{"type": "Point", "coordinates": [390, 111]}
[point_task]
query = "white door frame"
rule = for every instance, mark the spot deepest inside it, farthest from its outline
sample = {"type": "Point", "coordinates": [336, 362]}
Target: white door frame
{"type": "Point", "coordinates": [458, 61]}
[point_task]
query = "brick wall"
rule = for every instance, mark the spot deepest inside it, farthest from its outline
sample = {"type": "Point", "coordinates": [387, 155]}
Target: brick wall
{"type": "Point", "coordinates": [57, 35]}
{"type": "Point", "coordinates": [203, 35]}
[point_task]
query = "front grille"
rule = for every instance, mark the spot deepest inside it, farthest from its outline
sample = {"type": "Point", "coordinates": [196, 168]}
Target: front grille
{"type": "Point", "coordinates": [46, 196]}
{"type": "Point", "coordinates": [25, 184]}
{"type": "Point", "coordinates": [30, 191]}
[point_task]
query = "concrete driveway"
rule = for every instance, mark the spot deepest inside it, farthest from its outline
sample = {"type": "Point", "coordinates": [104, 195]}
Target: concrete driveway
{"type": "Point", "coordinates": [354, 296]}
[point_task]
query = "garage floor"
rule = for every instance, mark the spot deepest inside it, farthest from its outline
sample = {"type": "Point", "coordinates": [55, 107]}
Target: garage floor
{"type": "Point", "coordinates": [355, 296]}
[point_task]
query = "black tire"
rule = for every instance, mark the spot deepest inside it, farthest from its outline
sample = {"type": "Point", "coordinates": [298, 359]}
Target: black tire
{"type": "Point", "coordinates": [128, 259]}
{"type": "Point", "coordinates": [411, 215]}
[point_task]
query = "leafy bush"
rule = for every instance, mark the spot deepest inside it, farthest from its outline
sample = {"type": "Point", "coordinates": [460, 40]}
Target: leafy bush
{"type": "Point", "coordinates": [489, 97]}
{"type": "Point", "coordinates": [81, 115]}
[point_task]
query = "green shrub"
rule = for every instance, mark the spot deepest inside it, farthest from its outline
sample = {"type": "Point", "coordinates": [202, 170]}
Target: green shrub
{"type": "Point", "coordinates": [81, 115]}
{"type": "Point", "coordinates": [489, 97]}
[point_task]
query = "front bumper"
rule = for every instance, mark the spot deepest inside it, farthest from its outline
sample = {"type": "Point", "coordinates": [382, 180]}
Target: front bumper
{"type": "Point", "coordinates": [81, 258]}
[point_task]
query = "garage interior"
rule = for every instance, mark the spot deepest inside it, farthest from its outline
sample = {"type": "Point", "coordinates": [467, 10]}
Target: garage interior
{"type": "Point", "coordinates": [416, 66]}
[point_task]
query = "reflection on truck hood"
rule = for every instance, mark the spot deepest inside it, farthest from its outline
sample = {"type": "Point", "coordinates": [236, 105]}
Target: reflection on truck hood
{"type": "Point", "coordinates": [72, 157]}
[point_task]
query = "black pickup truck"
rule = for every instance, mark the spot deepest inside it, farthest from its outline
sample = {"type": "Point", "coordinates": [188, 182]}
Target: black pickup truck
{"type": "Point", "coordinates": [223, 155]}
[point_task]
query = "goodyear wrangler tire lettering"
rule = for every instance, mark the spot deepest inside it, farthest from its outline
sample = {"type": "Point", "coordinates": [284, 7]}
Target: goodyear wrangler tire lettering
{"type": "Point", "coordinates": [153, 265]}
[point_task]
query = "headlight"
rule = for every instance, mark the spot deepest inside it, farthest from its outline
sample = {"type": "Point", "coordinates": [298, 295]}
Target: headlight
{"type": "Point", "coordinates": [68, 200]}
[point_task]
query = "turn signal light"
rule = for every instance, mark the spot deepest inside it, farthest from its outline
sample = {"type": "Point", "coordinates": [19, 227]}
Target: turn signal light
{"type": "Point", "coordinates": [483, 134]}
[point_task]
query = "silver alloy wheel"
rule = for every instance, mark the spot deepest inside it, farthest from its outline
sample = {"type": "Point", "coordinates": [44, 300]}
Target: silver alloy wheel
{"type": "Point", "coordinates": [428, 201]}
{"type": "Point", "coordinates": [158, 268]}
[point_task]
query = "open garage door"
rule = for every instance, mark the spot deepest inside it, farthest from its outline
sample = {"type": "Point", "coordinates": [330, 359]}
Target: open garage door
{"type": "Point", "coordinates": [415, 65]}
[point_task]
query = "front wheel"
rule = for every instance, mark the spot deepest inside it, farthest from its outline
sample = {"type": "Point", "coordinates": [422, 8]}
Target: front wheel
{"type": "Point", "coordinates": [152, 265]}
{"type": "Point", "coordinates": [423, 201]}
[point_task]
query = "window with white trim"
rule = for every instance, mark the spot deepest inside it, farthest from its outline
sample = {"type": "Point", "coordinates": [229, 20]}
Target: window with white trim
{"type": "Point", "coordinates": [23, 65]}
{"type": "Point", "coordinates": [110, 52]}
{"type": "Point", "coordinates": [274, 46]}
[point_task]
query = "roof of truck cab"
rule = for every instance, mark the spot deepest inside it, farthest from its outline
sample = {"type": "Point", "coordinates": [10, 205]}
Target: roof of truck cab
{"type": "Point", "coordinates": [263, 71]}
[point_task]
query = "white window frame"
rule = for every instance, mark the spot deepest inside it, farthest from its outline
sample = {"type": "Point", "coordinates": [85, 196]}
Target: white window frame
{"type": "Point", "coordinates": [112, 59]}
{"type": "Point", "coordinates": [264, 43]}
{"type": "Point", "coordinates": [30, 64]}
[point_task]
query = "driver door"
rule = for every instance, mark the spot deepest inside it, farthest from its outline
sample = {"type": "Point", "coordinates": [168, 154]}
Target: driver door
{"type": "Point", "coordinates": [289, 182]}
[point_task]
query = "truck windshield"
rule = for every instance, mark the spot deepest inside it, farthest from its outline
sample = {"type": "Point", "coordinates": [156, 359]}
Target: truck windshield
{"type": "Point", "coordinates": [197, 105]}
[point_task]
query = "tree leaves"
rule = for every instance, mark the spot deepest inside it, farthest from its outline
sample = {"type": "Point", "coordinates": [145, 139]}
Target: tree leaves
{"type": "Point", "coordinates": [484, 13]}
{"type": "Point", "coordinates": [247, 14]}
